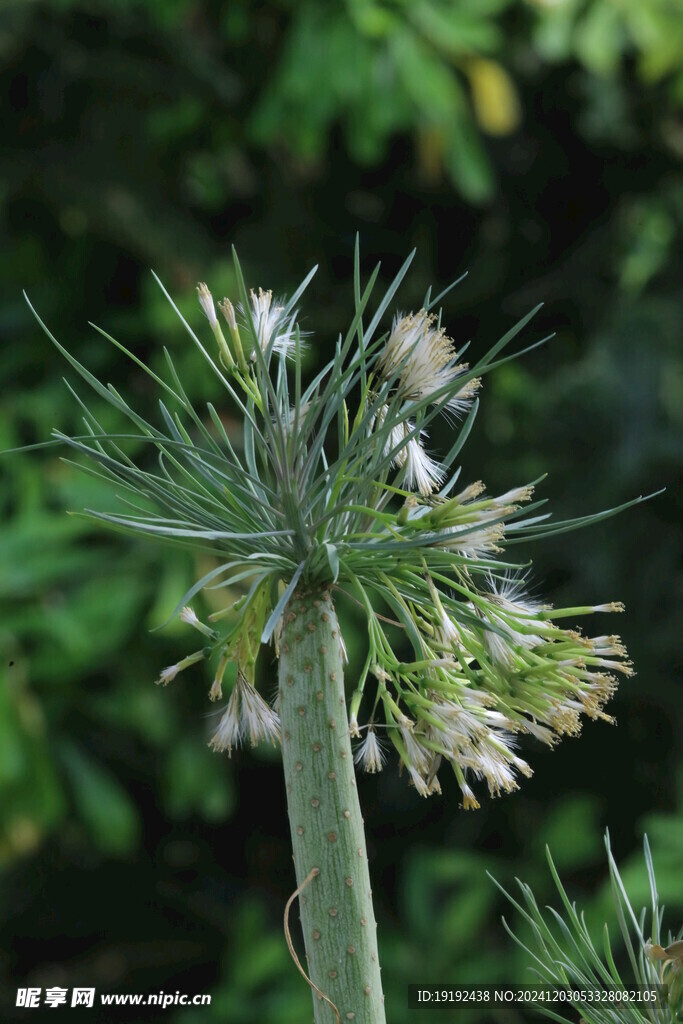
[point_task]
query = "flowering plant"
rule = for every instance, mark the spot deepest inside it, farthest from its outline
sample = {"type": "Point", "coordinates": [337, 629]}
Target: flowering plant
{"type": "Point", "coordinates": [333, 489]}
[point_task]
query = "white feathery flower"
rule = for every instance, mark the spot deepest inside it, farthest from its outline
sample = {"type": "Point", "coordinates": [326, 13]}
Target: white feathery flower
{"type": "Point", "coordinates": [565, 717]}
{"type": "Point", "coordinates": [478, 543]}
{"type": "Point", "coordinates": [460, 726]}
{"type": "Point", "coordinates": [189, 616]}
{"type": "Point", "coordinates": [540, 732]}
{"type": "Point", "coordinates": [167, 675]}
{"type": "Point", "coordinates": [469, 801]}
{"type": "Point", "coordinates": [247, 714]}
{"type": "Point", "coordinates": [206, 302]}
{"type": "Point", "coordinates": [258, 720]}
{"type": "Point", "coordinates": [500, 720]}
{"type": "Point", "coordinates": [606, 645]}
{"type": "Point", "coordinates": [500, 778]}
{"type": "Point", "coordinates": [408, 341]}
{"type": "Point", "coordinates": [228, 310]}
{"type": "Point", "coordinates": [423, 355]}
{"type": "Point", "coordinates": [369, 754]}
{"type": "Point", "coordinates": [493, 760]}
{"type": "Point", "coordinates": [418, 781]}
{"type": "Point", "coordinates": [480, 699]}
{"type": "Point", "coordinates": [446, 631]}
{"type": "Point", "coordinates": [397, 437]}
{"type": "Point", "coordinates": [498, 647]}
{"type": "Point", "coordinates": [508, 595]}
{"type": "Point", "coordinates": [508, 591]}
{"type": "Point", "coordinates": [229, 731]}
{"type": "Point", "coordinates": [477, 739]}
{"type": "Point", "coordinates": [522, 767]}
{"type": "Point", "coordinates": [625, 667]}
{"type": "Point", "coordinates": [433, 786]}
{"type": "Point", "coordinates": [460, 402]}
{"type": "Point", "coordinates": [381, 674]}
{"type": "Point", "coordinates": [418, 756]}
{"type": "Point", "coordinates": [514, 496]}
{"type": "Point", "coordinates": [269, 323]}
{"type": "Point", "coordinates": [595, 693]}
{"type": "Point", "coordinates": [216, 691]}
{"type": "Point", "coordinates": [422, 472]}
{"type": "Point", "coordinates": [470, 493]}
{"type": "Point", "coordinates": [397, 434]}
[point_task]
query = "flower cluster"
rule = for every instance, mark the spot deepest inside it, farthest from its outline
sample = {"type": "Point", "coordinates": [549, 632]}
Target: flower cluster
{"type": "Point", "coordinates": [273, 327]}
{"type": "Point", "coordinates": [421, 362]}
{"type": "Point", "coordinates": [492, 662]}
{"type": "Point", "coordinates": [333, 485]}
{"type": "Point", "coordinates": [493, 665]}
{"type": "Point", "coordinates": [247, 714]}
{"type": "Point", "coordinates": [424, 359]}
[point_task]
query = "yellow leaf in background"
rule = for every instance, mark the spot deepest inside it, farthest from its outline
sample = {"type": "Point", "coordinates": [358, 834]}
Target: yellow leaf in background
{"type": "Point", "coordinates": [494, 97]}
{"type": "Point", "coordinates": [23, 835]}
{"type": "Point", "coordinates": [430, 152]}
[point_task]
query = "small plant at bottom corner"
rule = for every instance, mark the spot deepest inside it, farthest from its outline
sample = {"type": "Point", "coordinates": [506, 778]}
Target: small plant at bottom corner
{"type": "Point", "coordinates": [646, 987]}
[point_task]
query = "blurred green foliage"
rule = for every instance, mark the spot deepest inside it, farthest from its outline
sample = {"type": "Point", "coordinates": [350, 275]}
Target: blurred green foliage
{"type": "Point", "coordinates": [537, 144]}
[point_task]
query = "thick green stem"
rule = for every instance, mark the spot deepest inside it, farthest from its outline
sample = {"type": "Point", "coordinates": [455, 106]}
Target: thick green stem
{"type": "Point", "coordinates": [336, 910]}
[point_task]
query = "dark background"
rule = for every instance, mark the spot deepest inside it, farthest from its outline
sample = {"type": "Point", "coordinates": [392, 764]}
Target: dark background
{"type": "Point", "coordinates": [536, 145]}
